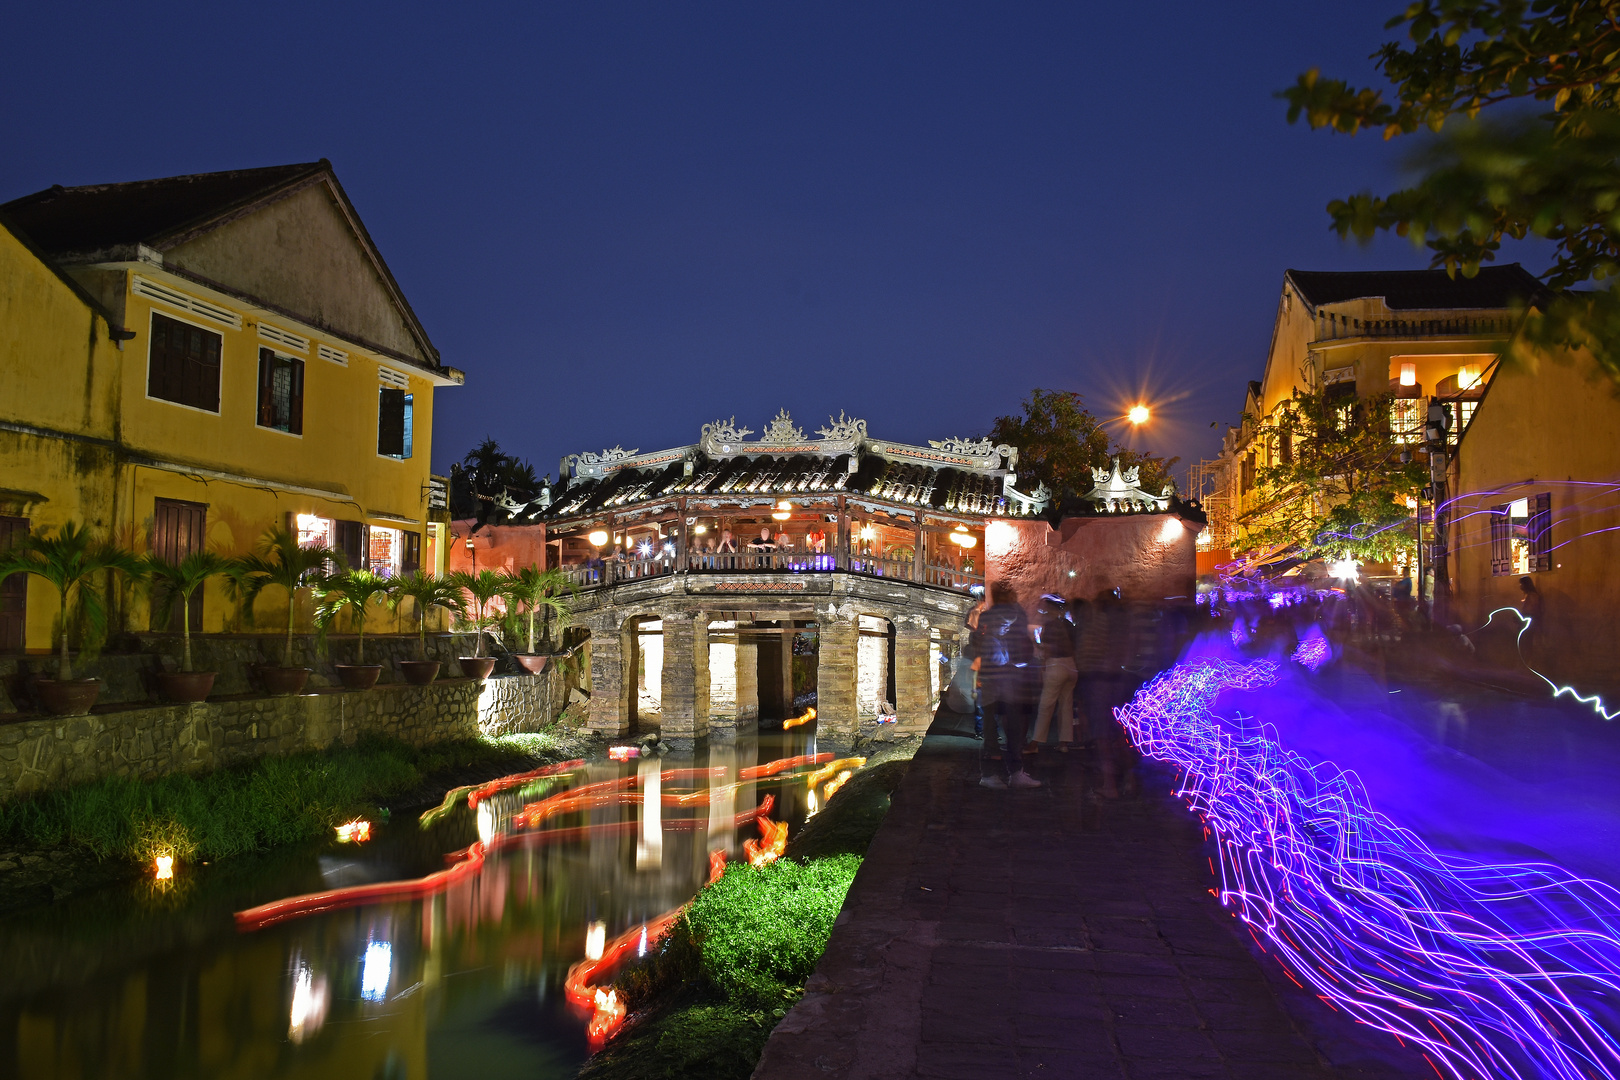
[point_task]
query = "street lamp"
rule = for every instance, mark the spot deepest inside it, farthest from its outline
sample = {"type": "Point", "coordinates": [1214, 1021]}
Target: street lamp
{"type": "Point", "coordinates": [1139, 415]}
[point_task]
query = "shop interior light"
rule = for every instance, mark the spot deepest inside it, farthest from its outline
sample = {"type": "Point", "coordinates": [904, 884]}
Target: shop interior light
{"type": "Point", "coordinates": [597, 537]}
{"type": "Point", "coordinates": [1467, 376]}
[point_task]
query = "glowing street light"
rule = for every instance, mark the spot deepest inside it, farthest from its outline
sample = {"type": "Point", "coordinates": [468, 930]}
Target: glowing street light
{"type": "Point", "coordinates": [1139, 414]}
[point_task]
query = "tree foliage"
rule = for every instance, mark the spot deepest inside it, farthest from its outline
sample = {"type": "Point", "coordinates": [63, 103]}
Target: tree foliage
{"type": "Point", "coordinates": [71, 561]}
{"type": "Point", "coordinates": [1336, 488]}
{"type": "Point", "coordinates": [1554, 174]}
{"type": "Point", "coordinates": [1059, 441]}
{"type": "Point", "coordinates": [491, 485]}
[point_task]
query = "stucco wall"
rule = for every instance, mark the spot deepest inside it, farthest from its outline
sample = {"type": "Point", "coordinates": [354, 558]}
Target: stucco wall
{"type": "Point", "coordinates": [495, 547]}
{"type": "Point", "coordinates": [1149, 557]}
{"type": "Point", "coordinates": [1557, 430]}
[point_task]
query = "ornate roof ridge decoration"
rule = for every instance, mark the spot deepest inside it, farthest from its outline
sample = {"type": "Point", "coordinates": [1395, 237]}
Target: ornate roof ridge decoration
{"type": "Point", "coordinates": [845, 429]}
{"type": "Point", "coordinates": [978, 455]}
{"type": "Point", "coordinates": [608, 462]}
{"type": "Point", "coordinates": [1031, 505]}
{"type": "Point", "coordinates": [782, 430]}
{"type": "Point", "coordinates": [1116, 490]}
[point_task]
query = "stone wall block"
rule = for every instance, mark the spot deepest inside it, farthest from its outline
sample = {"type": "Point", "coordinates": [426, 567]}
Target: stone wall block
{"type": "Point", "coordinates": [837, 717]}
{"type": "Point", "coordinates": [913, 689]}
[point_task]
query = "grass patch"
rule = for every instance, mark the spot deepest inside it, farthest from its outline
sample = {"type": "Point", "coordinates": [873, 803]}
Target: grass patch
{"type": "Point", "coordinates": [248, 808]}
{"type": "Point", "coordinates": [728, 970]}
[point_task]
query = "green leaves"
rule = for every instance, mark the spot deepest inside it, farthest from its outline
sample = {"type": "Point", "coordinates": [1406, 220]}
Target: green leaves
{"type": "Point", "coordinates": [1555, 175]}
{"type": "Point", "coordinates": [71, 560]}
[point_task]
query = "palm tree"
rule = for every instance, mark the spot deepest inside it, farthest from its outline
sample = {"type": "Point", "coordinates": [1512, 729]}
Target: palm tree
{"type": "Point", "coordinates": [69, 560]}
{"type": "Point", "coordinates": [179, 581]}
{"type": "Point", "coordinates": [538, 590]}
{"type": "Point", "coordinates": [426, 591]}
{"type": "Point", "coordinates": [352, 591]}
{"type": "Point", "coordinates": [279, 560]}
{"type": "Point", "coordinates": [481, 588]}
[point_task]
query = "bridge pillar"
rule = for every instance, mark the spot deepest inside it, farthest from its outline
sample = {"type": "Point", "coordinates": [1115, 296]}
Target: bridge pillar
{"type": "Point", "coordinates": [686, 676]}
{"type": "Point", "coordinates": [610, 714]}
{"type": "Point", "coordinates": [913, 688]}
{"type": "Point", "coordinates": [747, 681]}
{"type": "Point", "coordinates": [837, 717]}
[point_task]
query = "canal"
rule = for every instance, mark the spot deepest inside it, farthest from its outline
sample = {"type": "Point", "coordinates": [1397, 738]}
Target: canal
{"type": "Point", "coordinates": [160, 979]}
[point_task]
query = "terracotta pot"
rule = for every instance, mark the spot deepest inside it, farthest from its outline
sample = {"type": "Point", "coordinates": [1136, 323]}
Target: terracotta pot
{"type": "Point", "coordinates": [185, 687]}
{"type": "Point", "coordinates": [359, 676]}
{"type": "Point", "coordinates": [476, 667]}
{"type": "Point", "coordinates": [71, 698]}
{"type": "Point", "coordinates": [533, 663]}
{"type": "Point", "coordinates": [282, 681]}
{"type": "Point", "coordinates": [419, 672]}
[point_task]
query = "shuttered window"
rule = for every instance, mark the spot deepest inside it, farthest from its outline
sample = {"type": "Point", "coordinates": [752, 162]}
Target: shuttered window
{"type": "Point", "coordinates": [178, 529]}
{"type": "Point", "coordinates": [411, 558]}
{"type": "Point", "coordinates": [394, 422]}
{"type": "Point", "coordinates": [13, 590]}
{"type": "Point", "coordinates": [183, 364]}
{"type": "Point", "coordinates": [349, 537]}
{"type": "Point", "coordinates": [281, 392]}
{"type": "Point", "coordinates": [1541, 532]}
{"type": "Point", "coordinates": [1501, 541]}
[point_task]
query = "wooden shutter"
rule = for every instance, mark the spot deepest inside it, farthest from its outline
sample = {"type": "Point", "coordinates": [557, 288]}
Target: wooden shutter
{"type": "Point", "coordinates": [410, 559]}
{"type": "Point", "coordinates": [295, 399]}
{"type": "Point", "coordinates": [179, 529]}
{"type": "Point", "coordinates": [351, 542]}
{"type": "Point", "coordinates": [1541, 532]}
{"type": "Point", "coordinates": [391, 422]}
{"type": "Point", "coordinates": [183, 363]}
{"type": "Point", "coordinates": [267, 388]}
{"type": "Point", "coordinates": [13, 591]}
{"type": "Point", "coordinates": [1501, 541]}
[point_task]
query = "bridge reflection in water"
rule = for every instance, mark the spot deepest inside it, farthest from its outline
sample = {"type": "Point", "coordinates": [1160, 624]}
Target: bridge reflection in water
{"type": "Point", "coordinates": [134, 981]}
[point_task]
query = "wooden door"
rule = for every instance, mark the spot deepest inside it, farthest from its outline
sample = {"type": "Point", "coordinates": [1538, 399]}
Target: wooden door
{"type": "Point", "coordinates": [178, 529]}
{"type": "Point", "coordinates": [13, 591]}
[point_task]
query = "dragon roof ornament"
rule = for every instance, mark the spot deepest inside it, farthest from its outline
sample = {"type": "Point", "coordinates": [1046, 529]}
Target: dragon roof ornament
{"type": "Point", "coordinates": [1116, 489]}
{"type": "Point", "coordinates": [782, 430]}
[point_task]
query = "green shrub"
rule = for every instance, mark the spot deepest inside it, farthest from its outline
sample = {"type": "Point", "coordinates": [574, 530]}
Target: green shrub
{"type": "Point", "coordinates": [253, 807]}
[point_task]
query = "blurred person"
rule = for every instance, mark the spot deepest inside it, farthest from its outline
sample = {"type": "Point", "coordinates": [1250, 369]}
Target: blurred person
{"type": "Point", "coordinates": [1531, 607]}
{"type": "Point", "coordinates": [1058, 676]}
{"type": "Point", "coordinates": [1006, 655]}
{"type": "Point", "coordinates": [1106, 647]}
{"type": "Point", "coordinates": [728, 543]}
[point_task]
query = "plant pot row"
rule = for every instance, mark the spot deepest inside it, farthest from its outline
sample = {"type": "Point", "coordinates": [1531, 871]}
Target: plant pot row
{"type": "Point", "coordinates": [75, 697]}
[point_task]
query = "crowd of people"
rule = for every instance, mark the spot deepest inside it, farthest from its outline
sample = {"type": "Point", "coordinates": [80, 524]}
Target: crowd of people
{"type": "Point", "coordinates": [1052, 684]}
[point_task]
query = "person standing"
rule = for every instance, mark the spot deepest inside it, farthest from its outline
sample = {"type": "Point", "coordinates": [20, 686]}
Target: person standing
{"type": "Point", "coordinates": [1058, 676]}
{"type": "Point", "coordinates": [1006, 656]}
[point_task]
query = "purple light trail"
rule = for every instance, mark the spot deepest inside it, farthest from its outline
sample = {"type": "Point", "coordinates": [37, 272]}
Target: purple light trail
{"type": "Point", "coordinates": [1508, 970]}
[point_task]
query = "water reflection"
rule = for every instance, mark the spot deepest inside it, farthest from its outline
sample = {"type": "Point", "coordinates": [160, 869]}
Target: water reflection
{"type": "Point", "coordinates": [466, 982]}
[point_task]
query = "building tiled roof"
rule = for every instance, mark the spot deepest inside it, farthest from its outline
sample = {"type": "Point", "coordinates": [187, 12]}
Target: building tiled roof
{"type": "Point", "coordinates": [1494, 287]}
{"type": "Point", "coordinates": [62, 220]}
{"type": "Point", "coordinates": [944, 489]}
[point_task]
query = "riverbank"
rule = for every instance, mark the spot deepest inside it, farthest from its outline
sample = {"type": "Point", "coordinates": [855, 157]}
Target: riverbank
{"type": "Point", "coordinates": [74, 839]}
{"type": "Point", "coordinates": [704, 1004]}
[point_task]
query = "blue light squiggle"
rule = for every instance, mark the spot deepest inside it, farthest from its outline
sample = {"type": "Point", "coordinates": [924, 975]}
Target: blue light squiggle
{"type": "Point", "coordinates": [1490, 971]}
{"type": "Point", "coordinates": [1559, 690]}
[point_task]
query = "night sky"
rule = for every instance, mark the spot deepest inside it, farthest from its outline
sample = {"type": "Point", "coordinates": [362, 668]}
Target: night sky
{"type": "Point", "coordinates": [625, 221]}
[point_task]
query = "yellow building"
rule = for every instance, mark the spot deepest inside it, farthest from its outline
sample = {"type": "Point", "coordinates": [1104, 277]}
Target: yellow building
{"type": "Point", "coordinates": [188, 361]}
{"type": "Point", "coordinates": [1538, 496]}
{"type": "Point", "coordinates": [1417, 335]}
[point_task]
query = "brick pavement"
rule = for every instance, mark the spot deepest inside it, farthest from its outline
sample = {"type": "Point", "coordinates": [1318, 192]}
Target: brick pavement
{"type": "Point", "coordinates": [1050, 933]}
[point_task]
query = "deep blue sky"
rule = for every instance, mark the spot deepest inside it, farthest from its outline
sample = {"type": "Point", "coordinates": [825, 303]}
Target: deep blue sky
{"type": "Point", "coordinates": [626, 220]}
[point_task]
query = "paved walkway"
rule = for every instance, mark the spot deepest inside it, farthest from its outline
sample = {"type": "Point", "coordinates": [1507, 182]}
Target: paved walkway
{"type": "Point", "coordinates": [1049, 933]}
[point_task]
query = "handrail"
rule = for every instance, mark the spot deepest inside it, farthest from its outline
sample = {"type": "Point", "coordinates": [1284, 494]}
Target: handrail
{"type": "Point", "coordinates": [1331, 326]}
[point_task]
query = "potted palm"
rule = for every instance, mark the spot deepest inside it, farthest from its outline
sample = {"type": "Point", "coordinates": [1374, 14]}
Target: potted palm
{"type": "Point", "coordinates": [424, 591]}
{"type": "Point", "coordinates": [482, 589]}
{"type": "Point", "coordinates": [70, 560]}
{"type": "Point", "coordinates": [178, 581]}
{"type": "Point", "coordinates": [280, 561]}
{"type": "Point", "coordinates": [538, 591]}
{"type": "Point", "coordinates": [352, 591]}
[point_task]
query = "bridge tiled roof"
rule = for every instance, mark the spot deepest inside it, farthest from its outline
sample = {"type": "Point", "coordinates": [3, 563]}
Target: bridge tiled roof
{"type": "Point", "coordinates": [948, 490]}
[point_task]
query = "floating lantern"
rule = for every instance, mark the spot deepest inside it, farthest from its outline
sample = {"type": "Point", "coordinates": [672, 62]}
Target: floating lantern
{"type": "Point", "coordinates": [840, 781]}
{"type": "Point", "coordinates": [595, 940]}
{"type": "Point", "coordinates": [165, 867]}
{"type": "Point", "coordinates": [623, 753]}
{"type": "Point", "coordinates": [357, 831]}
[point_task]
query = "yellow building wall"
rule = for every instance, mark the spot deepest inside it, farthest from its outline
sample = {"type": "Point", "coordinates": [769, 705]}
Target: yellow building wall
{"type": "Point", "coordinates": [1558, 425]}
{"type": "Point", "coordinates": [62, 372]}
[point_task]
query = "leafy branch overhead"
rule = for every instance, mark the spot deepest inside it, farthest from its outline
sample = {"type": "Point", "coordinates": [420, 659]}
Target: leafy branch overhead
{"type": "Point", "coordinates": [1553, 174]}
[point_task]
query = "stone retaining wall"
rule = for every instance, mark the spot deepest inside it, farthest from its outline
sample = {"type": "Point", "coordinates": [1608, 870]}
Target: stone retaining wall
{"type": "Point", "coordinates": [39, 753]}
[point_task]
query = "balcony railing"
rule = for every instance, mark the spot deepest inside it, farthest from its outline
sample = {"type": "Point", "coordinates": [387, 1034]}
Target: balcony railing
{"type": "Point", "coordinates": [1334, 327]}
{"type": "Point", "coordinates": [795, 561]}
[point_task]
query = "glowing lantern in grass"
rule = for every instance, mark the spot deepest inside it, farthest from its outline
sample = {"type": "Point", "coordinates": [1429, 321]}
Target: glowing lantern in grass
{"type": "Point", "coordinates": [164, 866]}
{"type": "Point", "coordinates": [357, 831]}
